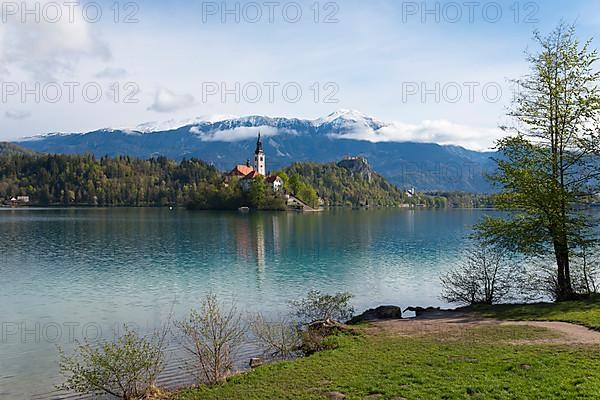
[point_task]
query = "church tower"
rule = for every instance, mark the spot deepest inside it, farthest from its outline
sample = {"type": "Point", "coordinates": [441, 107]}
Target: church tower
{"type": "Point", "coordinates": [260, 161]}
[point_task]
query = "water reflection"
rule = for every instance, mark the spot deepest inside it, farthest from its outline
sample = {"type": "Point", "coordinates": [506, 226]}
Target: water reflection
{"type": "Point", "coordinates": [106, 267]}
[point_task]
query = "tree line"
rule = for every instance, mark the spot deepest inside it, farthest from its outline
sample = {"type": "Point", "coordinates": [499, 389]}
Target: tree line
{"type": "Point", "coordinates": [85, 180]}
{"type": "Point", "coordinates": [108, 181]}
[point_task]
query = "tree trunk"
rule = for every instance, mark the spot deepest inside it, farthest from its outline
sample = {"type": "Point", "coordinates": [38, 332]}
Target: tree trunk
{"type": "Point", "coordinates": [561, 251]}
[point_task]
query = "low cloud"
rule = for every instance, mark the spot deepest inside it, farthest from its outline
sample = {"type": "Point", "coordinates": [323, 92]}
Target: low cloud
{"type": "Point", "coordinates": [237, 134]}
{"type": "Point", "coordinates": [429, 131]}
{"type": "Point", "coordinates": [167, 101]}
{"type": "Point", "coordinates": [18, 115]}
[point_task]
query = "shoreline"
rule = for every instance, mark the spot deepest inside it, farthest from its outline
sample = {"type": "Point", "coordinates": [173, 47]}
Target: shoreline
{"type": "Point", "coordinates": [474, 331]}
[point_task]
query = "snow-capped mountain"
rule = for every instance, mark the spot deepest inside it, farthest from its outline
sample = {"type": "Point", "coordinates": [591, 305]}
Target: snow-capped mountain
{"type": "Point", "coordinates": [227, 141]}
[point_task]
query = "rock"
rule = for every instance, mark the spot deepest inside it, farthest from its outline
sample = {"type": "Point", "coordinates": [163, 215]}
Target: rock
{"type": "Point", "coordinates": [334, 395]}
{"type": "Point", "coordinates": [379, 313]}
{"type": "Point", "coordinates": [358, 166]}
{"type": "Point", "coordinates": [420, 310]}
{"type": "Point", "coordinates": [256, 362]}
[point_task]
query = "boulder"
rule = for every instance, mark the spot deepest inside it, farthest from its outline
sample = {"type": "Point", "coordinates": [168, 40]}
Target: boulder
{"type": "Point", "coordinates": [334, 395]}
{"type": "Point", "coordinates": [420, 310]}
{"type": "Point", "coordinates": [256, 362]}
{"type": "Point", "coordinates": [377, 314]}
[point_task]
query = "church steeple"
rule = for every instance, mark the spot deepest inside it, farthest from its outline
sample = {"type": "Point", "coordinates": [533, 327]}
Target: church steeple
{"type": "Point", "coordinates": [260, 162]}
{"type": "Point", "coordinates": [259, 146]}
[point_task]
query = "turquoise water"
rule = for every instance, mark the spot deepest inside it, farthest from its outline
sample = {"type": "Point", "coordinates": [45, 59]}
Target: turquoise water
{"type": "Point", "coordinates": [70, 274]}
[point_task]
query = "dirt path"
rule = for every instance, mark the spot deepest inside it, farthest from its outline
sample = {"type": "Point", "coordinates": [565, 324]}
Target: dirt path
{"type": "Point", "coordinates": [451, 323]}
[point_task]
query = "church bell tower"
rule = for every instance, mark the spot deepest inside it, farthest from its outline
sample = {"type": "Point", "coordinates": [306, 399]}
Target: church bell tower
{"type": "Point", "coordinates": [260, 162]}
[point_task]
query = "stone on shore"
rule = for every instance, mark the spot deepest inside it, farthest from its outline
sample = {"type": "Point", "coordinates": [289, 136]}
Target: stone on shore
{"type": "Point", "coordinates": [378, 314]}
{"type": "Point", "coordinates": [256, 362]}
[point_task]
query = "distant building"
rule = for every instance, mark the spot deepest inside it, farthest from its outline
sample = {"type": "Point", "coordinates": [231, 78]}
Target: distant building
{"type": "Point", "coordinates": [275, 182]}
{"type": "Point", "coordinates": [19, 200]}
{"type": "Point", "coordinates": [248, 173]}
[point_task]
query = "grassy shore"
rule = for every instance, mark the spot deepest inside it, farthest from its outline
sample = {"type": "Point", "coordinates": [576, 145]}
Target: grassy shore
{"type": "Point", "coordinates": [480, 361]}
{"type": "Point", "coordinates": [584, 312]}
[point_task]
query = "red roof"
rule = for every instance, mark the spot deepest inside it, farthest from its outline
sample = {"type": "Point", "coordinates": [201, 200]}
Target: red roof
{"type": "Point", "coordinates": [242, 170]}
{"type": "Point", "coordinates": [252, 175]}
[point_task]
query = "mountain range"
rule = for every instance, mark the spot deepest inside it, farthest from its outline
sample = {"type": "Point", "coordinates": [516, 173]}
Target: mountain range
{"type": "Point", "coordinates": [424, 166]}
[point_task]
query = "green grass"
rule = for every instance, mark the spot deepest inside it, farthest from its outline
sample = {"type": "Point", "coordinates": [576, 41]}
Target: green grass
{"type": "Point", "coordinates": [475, 363]}
{"type": "Point", "coordinates": [585, 312]}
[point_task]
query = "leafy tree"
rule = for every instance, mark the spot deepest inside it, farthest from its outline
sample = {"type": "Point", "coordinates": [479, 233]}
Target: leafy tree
{"type": "Point", "coordinates": [550, 163]}
{"type": "Point", "coordinates": [258, 192]}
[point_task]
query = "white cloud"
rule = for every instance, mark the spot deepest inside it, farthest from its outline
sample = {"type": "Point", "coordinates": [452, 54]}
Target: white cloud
{"type": "Point", "coordinates": [167, 101]}
{"type": "Point", "coordinates": [111, 73]}
{"type": "Point", "coordinates": [429, 131]}
{"type": "Point", "coordinates": [44, 48]}
{"type": "Point", "coordinates": [237, 134]}
{"type": "Point", "coordinates": [18, 115]}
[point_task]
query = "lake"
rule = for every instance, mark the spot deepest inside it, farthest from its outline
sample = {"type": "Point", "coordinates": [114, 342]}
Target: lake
{"type": "Point", "coordinates": [69, 274]}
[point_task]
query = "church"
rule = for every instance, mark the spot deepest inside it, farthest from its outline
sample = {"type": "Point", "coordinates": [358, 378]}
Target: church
{"type": "Point", "coordinates": [247, 173]}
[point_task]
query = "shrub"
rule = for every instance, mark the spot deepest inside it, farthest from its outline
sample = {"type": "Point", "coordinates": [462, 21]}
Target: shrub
{"type": "Point", "coordinates": [126, 368]}
{"type": "Point", "coordinates": [318, 335]}
{"type": "Point", "coordinates": [317, 306]}
{"type": "Point", "coordinates": [278, 339]}
{"type": "Point", "coordinates": [486, 275]}
{"type": "Point", "coordinates": [211, 335]}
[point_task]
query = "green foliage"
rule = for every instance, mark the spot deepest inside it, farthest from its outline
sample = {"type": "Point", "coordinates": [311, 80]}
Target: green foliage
{"type": "Point", "coordinates": [120, 181]}
{"type": "Point", "coordinates": [482, 362]}
{"type": "Point", "coordinates": [549, 167]}
{"type": "Point", "coordinates": [317, 306]}
{"type": "Point", "coordinates": [581, 312]}
{"type": "Point", "coordinates": [338, 187]}
{"type": "Point", "coordinates": [258, 192]}
{"type": "Point", "coordinates": [7, 149]}
{"type": "Point", "coordinates": [459, 200]}
{"type": "Point", "coordinates": [126, 369]}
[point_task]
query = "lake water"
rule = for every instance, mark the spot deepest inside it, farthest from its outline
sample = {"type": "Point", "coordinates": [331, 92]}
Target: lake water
{"type": "Point", "coordinates": [72, 273]}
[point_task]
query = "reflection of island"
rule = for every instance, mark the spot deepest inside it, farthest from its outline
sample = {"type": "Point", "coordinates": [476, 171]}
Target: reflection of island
{"type": "Point", "coordinates": [260, 245]}
{"type": "Point", "coordinates": [335, 241]}
{"type": "Point", "coordinates": [254, 242]}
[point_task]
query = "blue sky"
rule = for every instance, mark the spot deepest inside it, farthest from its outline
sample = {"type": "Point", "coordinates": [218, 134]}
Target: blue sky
{"type": "Point", "coordinates": [436, 69]}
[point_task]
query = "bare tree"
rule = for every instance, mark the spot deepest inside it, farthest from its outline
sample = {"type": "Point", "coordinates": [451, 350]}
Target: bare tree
{"type": "Point", "coordinates": [280, 339]}
{"type": "Point", "coordinates": [586, 271]}
{"type": "Point", "coordinates": [486, 275]}
{"type": "Point", "coordinates": [126, 368]}
{"type": "Point", "coordinates": [211, 335]}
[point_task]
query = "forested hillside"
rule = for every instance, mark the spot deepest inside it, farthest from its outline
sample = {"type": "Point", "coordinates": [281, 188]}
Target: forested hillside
{"type": "Point", "coordinates": [339, 186]}
{"type": "Point", "coordinates": [86, 180]}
